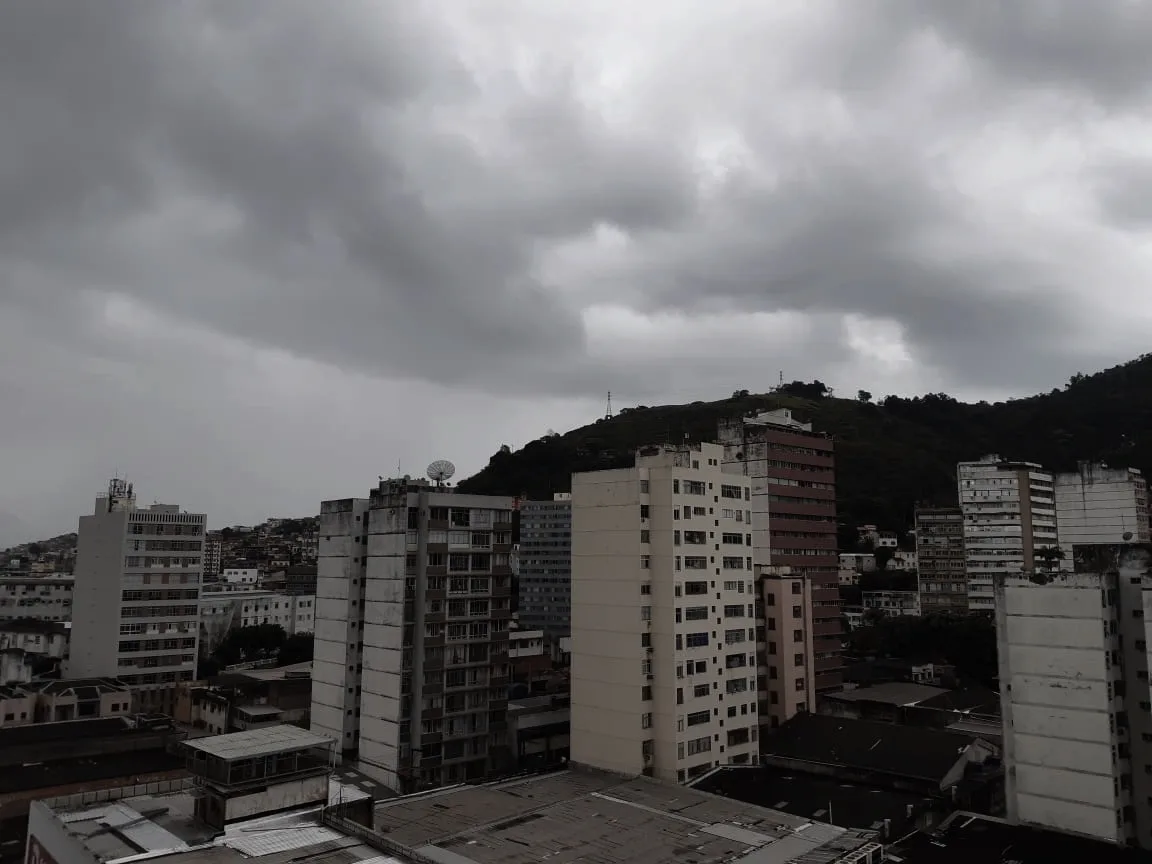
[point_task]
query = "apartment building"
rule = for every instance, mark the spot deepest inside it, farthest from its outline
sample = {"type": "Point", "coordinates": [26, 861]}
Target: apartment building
{"type": "Point", "coordinates": [136, 596]}
{"type": "Point", "coordinates": [1097, 504]}
{"type": "Point", "coordinates": [942, 578]}
{"type": "Point", "coordinates": [413, 604]}
{"type": "Point", "coordinates": [46, 598]}
{"type": "Point", "coordinates": [213, 553]}
{"type": "Point", "coordinates": [792, 471]}
{"type": "Point", "coordinates": [1009, 522]}
{"type": "Point", "coordinates": [545, 565]}
{"type": "Point", "coordinates": [220, 611]}
{"type": "Point", "coordinates": [1077, 712]}
{"type": "Point", "coordinates": [663, 678]}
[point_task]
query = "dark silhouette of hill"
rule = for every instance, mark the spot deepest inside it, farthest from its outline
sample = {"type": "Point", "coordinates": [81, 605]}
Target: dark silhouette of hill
{"type": "Point", "coordinates": [890, 454]}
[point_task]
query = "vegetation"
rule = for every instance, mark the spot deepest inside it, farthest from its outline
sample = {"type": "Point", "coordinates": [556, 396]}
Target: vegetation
{"type": "Point", "coordinates": [261, 642]}
{"type": "Point", "coordinates": [968, 642]}
{"type": "Point", "coordinates": [890, 454]}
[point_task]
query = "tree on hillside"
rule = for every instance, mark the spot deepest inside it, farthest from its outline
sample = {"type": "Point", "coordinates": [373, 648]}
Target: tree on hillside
{"type": "Point", "coordinates": [863, 396]}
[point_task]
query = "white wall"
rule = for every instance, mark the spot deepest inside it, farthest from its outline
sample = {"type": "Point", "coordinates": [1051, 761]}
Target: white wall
{"type": "Point", "coordinates": [1057, 701]}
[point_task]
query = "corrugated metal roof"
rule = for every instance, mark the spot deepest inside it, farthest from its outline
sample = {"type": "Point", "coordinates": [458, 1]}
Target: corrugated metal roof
{"type": "Point", "coordinates": [259, 742]}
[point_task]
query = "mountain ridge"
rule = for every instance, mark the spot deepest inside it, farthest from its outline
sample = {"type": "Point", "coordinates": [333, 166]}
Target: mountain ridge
{"type": "Point", "coordinates": [890, 454]}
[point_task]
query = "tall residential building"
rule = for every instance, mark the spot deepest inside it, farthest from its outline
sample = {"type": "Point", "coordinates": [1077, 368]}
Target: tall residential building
{"type": "Point", "coordinates": [213, 553]}
{"type": "Point", "coordinates": [135, 612]}
{"type": "Point", "coordinates": [413, 599]}
{"type": "Point", "coordinates": [940, 556]}
{"type": "Point", "coordinates": [663, 619]}
{"type": "Point", "coordinates": [1097, 504]}
{"type": "Point", "coordinates": [545, 565]}
{"type": "Point", "coordinates": [792, 470]}
{"type": "Point", "coordinates": [1009, 517]}
{"type": "Point", "coordinates": [1073, 649]}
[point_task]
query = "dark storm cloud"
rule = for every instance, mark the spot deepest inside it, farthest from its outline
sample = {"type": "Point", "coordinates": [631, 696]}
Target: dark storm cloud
{"type": "Point", "coordinates": [359, 194]}
{"type": "Point", "coordinates": [1099, 48]}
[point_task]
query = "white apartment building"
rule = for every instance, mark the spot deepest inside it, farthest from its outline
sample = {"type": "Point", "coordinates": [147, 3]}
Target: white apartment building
{"type": "Point", "coordinates": [1009, 517]}
{"type": "Point", "coordinates": [45, 598]}
{"type": "Point", "coordinates": [663, 620]}
{"type": "Point", "coordinates": [221, 611]}
{"type": "Point", "coordinates": [1075, 698]}
{"type": "Point", "coordinates": [241, 575]}
{"type": "Point", "coordinates": [213, 553]}
{"type": "Point", "coordinates": [413, 604]}
{"type": "Point", "coordinates": [1097, 504]}
{"type": "Point", "coordinates": [136, 597]}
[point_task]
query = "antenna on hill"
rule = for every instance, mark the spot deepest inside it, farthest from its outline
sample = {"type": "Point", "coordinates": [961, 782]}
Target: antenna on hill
{"type": "Point", "coordinates": [608, 413]}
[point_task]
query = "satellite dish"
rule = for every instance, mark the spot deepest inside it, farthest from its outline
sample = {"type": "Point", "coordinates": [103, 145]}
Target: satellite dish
{"type": "Point", "coordinates": [441, 470]}
{"type": "Point", "coordinates": [1127, 536]}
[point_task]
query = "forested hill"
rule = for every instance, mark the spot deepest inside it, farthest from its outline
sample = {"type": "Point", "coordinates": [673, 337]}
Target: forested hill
{"type": "Point", "coordinates": [890, 454]}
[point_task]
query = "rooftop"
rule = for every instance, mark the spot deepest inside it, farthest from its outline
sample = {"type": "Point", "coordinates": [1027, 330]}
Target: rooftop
{"type": "Point", "coordinates": [81, 688]}
{"type": "Point", "coordinates": [593, 816]}
{"type": "Point", "coordinates": [966, 838]}
{"type": "Point", "coordinates": [821, 799]}
{"type": "Point", "coordinates": [296, 671]}
{"type": "Point", "coordinates": [32, 625]}
{"type": "Point", "coordinates": [887, 748]}
{"type": "Point", "coordinates": [259, 742]}
{"type": "Point", "coordinates": [892, 693]}
{"type": "Point", "coordinates": [154, 826]}
{"type": "Point", "coordinates": [39, 733]}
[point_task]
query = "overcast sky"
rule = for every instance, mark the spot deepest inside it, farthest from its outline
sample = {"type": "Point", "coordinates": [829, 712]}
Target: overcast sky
{"type": "Point", "coordinates": [253, 254]}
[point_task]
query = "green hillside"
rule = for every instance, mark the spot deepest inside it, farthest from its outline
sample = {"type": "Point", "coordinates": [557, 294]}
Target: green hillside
{"type": "Point", "coordinates": [889, 455]}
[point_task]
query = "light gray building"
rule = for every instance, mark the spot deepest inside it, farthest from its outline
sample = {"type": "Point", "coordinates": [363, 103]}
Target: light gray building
{"type": "Point", "coordinates": [545, 589]}
{"type": "Point", "coordinates": [413, 604]}
{"type": "Point", "coordinates": [1098, 504]}
{"type": "Point", "coordinates": [1072, 641]}
{"type": "Point", "coordinates": [136, 596]}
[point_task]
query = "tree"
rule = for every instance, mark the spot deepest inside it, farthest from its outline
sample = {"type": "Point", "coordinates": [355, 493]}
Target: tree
{"type": "Point", "coordinates": [35, 550]}
{"type": "Point", "coordinates": [296, 649]}
{"type": "Point", "coordinates": [863, 396]}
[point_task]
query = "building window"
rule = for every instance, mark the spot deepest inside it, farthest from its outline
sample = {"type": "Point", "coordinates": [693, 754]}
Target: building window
{"type": "Point", "coordinates": [797, 635]}
{"type": "Point", "coordinates": [643, 487]}
{"type": "Point", "coordinates": [645, 562]}
{"type": "Point", "coordinates": [796, 612]}
{"type": "Point", "coordinates": [645, 536]}
{"type": "Point", "coordinates": [697, 718]}
{"type": "Point", "coordinates": [646, 693]}
{"type": "Point", "coordinates": [700, 690]}
{"type": "Point", "coordinates": [799, 683]}
{"type": "Point", "coordinates": [697, 640]}
{"type": "Point", "coordinates": [645, 721]}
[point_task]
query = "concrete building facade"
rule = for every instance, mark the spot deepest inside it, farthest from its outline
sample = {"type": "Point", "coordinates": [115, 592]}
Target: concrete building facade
{"type": "Point", "coordinates": [941, 575]}
{"type": "Point", "coordinates": [413, 606]}
{"type": "Point", "coordinates": [545, 565]}
{"type": "Point", "coordinates": [1097, 504]}
{"type": "Point", "coordinates": [792, 472]}
{"type": "Point", "coordinates": [136, 596]}
{"type": "Point", "coordinates": [663, 678]}
{"type": "Point", "coordinates": [46, 598]}
{"type": "Point", "coordinates": [1075, 700]}
{"type": "Point", "coordinates": [1009, 521]}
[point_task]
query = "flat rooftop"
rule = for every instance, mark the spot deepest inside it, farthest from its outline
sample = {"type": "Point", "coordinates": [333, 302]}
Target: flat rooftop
{"type": "Point", "coordinates": [259, 742]}
{"type": "Point", "coordinates": [820, 799]}
{"type": "Point", "coordinates": [891, 693]}
{"type": "Point", "coordinates": [163, 826]}
{"type": "Point", "coordinates": [587, 815]}
{"type": "Point", "coordinates": [968, 838]}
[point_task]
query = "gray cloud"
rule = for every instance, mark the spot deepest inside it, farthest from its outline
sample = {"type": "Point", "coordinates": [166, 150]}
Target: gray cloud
{"type": "Point", "coordinates": [437, 198]}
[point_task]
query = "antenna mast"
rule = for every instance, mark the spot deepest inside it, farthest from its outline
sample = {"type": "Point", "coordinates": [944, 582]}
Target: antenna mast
{"type": "Point", "coordinates": [608, 413]}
